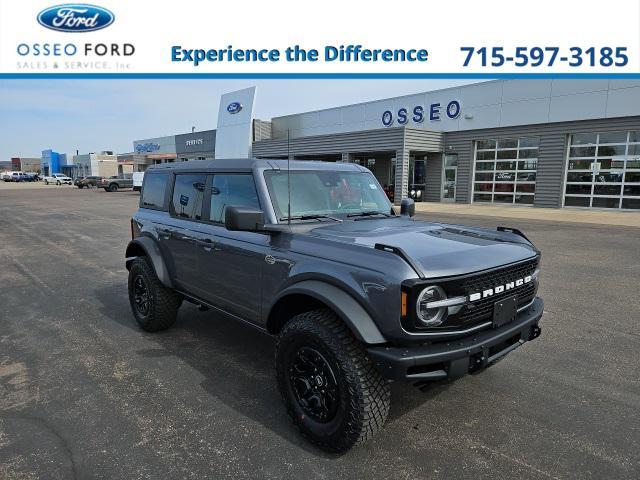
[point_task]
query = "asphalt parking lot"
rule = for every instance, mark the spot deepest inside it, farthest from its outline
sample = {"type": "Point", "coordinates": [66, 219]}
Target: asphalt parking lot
{"type": "Point", "coordinates": [85, 394]}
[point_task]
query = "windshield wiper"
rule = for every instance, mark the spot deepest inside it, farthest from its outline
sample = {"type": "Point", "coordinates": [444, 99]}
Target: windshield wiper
{"type": "Point", "coordinates": [370, 213]}
{"type": "Point", "coordinates": [309, 217]}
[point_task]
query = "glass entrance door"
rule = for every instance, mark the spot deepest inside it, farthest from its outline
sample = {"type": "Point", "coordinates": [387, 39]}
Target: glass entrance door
{"type": "Point", "coordinates": [449, 176]}
{"type": "Point", "coordinates": [417, 179]}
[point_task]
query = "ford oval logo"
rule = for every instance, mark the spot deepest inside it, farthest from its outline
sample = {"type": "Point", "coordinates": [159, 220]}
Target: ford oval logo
{"type": "Point", "coordinates": [234, 107]}
{"type": "Point", "coordinates": [75, 17]}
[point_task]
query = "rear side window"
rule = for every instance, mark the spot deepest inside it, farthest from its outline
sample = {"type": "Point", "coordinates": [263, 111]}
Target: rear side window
{"type": "Point", "coordinates": [154, 190]}
{"type": "Point", "coordinates": [233, 190]}
{"type": "Point", "coordinates": [188, 193]}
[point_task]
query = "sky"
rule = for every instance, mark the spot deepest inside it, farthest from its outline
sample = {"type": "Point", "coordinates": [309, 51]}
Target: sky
{"type": "Point", "coordinates": [97, 115]}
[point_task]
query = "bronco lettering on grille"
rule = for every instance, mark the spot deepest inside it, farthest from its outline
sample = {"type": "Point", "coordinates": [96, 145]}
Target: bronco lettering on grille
{"type": "Point", "coordinates": [500, 288]}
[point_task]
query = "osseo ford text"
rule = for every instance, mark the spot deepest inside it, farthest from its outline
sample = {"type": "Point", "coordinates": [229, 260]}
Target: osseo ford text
{"type": "Point", "coordinates": [71, 49]}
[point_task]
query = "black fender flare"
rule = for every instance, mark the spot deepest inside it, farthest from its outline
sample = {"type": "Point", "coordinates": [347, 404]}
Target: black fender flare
{"type": "Point", "coordinates": [343, 304]}
{"type": "Point", "coordinates": [152, 251]}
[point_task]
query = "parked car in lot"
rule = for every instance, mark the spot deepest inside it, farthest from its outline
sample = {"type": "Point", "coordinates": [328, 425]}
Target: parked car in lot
{"type": "Point", "coordinates": [113, 184]}
{"type": "Point", "coordinates": [58, 179]}
{"type": "Point", "coordinates": [31, 177]}
{"type": "Point", "coordinates": [13, 176]}
{"type": "Point", "coordinates": [138, 177]}
{"type": "Point", "coordinates": [357, 294]}
{"type": "Point", "coordinates": [86, 182]}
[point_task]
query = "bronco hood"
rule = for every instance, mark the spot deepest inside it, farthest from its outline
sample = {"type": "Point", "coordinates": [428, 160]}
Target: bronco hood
{"type": "Point", "coordinates": [439, 250]}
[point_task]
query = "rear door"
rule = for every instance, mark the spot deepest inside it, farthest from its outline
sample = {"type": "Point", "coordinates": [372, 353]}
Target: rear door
{"type": "Point", "coordinates": [183, 229]}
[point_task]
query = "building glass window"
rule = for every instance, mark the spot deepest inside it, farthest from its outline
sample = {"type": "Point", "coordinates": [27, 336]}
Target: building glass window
{"type": "Point", "coordinates": [505, 170]}
{"type": "Point", "coordinates": [603, 170]}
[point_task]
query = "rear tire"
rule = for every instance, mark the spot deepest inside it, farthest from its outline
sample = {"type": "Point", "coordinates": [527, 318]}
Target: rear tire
{"type": "Point", "coordinates": [46, 182]}
{"type": "Point", "coordinates": [113, 187]}
{"type": "Point", "coordinates": [330, 388]}
{"type": "Point", "coordinates": [58, 183]}
{"type": "Point", "coordinates": [154, 306]}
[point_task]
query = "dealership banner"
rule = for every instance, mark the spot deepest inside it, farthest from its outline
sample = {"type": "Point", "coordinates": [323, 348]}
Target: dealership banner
{"type": "Point", "coordinates": [490, 38]}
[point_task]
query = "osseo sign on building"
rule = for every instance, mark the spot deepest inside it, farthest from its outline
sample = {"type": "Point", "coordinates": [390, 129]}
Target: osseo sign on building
{"type": "Point", "coordinates": [433, 112]}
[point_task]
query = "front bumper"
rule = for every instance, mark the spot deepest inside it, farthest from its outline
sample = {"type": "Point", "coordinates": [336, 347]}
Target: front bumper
{"type": "Point", "coordinates": [455, 358]}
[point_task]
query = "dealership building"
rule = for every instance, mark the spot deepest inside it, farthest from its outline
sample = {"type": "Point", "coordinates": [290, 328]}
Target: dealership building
{"type": "Point", "coordinates": [53, 162]}
{"type": "Point", "coordinates": [24, 164]}
{"type": "Point", "coordinates": [539, 142]}
{"type": "Point", "coordinates": [103, 164]}
{"type": "Point", "coordinates": [181, 148]}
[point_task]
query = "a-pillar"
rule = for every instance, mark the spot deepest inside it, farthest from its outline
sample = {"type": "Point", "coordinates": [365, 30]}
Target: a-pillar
{"type": "Point", "coordinates": [402, 176]}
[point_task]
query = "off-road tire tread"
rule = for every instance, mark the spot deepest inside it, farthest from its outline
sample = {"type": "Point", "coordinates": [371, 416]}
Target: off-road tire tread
{"type": "Point", "coordinates": [164, 301]}
{"type": "Point", "coordinates": [370, 393]}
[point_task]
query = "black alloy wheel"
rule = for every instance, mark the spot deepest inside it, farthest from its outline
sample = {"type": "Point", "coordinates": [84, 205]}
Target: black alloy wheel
{"type": "Point", "coordinates": [314, 384]}
{"type": "Point", "coordinates": [141, 295]}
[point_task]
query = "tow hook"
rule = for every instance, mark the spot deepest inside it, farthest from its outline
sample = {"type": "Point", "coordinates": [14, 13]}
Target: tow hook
{"type": "Point", "coordinates": [535, 332]}
{"type": "Point", "coordinates": [477, 362]}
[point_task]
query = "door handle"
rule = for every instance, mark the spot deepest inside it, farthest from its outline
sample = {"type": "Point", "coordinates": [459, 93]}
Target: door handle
{"type": "Point", "coordinates": [207, 244]}
{"type": "Point", "coordinates": [165, 233]}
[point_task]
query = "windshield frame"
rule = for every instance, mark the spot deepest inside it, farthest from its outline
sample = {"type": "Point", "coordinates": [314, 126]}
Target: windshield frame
{"type": "Point", "coordinates": [323, 216]}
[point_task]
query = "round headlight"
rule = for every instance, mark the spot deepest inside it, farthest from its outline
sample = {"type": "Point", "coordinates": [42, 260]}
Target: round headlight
{"type": "Point", "coordinates": [431, 317]}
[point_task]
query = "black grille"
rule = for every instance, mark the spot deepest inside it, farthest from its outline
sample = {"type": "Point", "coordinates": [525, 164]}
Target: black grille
{"type": "Point", "coordinates": [482, 310]}
{"type": "Point", "coordinates": [479, 311]}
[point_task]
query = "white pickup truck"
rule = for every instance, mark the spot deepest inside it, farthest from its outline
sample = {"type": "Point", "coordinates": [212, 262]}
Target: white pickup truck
{"type": "Point", "coordinates": [58, 179]}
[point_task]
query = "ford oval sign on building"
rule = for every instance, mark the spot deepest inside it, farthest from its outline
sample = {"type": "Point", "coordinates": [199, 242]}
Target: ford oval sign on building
{"type": "Point", "coordinates": [234, 107]}
{"type": "Point", "coordinates": [75, 17]}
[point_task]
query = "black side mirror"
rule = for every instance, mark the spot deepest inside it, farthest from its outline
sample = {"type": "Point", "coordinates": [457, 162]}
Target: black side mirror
{"type": "Point", "coordinates": [407, 207]}
{"type": "Point", "coordinates": [243, 219]}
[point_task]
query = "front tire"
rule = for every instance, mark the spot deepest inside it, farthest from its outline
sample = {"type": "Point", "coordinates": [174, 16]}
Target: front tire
{"type": "Point", "coordinates": [330, 388]}
{"type": "Point", "coordinates": [113, 187]}
{"type": "Point", "coordinates": [154, 306]}
{"type": "Point", "coordinates": [58, 183]}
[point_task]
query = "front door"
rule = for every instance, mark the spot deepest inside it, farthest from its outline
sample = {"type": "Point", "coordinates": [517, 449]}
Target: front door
{"type": "Point", "coordinates": [232, 263]}
{"type": "Point", "coordinates": [449, 177]}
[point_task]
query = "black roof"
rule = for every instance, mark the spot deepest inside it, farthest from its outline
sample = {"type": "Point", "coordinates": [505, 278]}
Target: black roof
{"type": "Point", "coordinates": [239, 164]}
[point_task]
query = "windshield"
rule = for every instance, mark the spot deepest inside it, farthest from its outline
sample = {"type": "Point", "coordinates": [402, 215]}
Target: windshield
{"type": "Point", "coordinates": [320, 192]}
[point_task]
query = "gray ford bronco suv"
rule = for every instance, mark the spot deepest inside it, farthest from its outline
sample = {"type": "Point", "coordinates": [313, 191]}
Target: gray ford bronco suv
{"type": "Point", "coordinates": [357, 294]}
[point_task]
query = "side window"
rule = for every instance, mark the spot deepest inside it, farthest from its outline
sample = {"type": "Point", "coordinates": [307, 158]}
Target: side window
{"type": "Point", "coordinates": [236, 190]}
{"type": "Point", "coordinates": [188, 192]}
{"type": "Point", "coordinates": [153, 191]}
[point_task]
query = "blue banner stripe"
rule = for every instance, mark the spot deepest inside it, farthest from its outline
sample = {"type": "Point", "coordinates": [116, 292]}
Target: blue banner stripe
{"type": "Point", "coordinates": [317, 76]}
